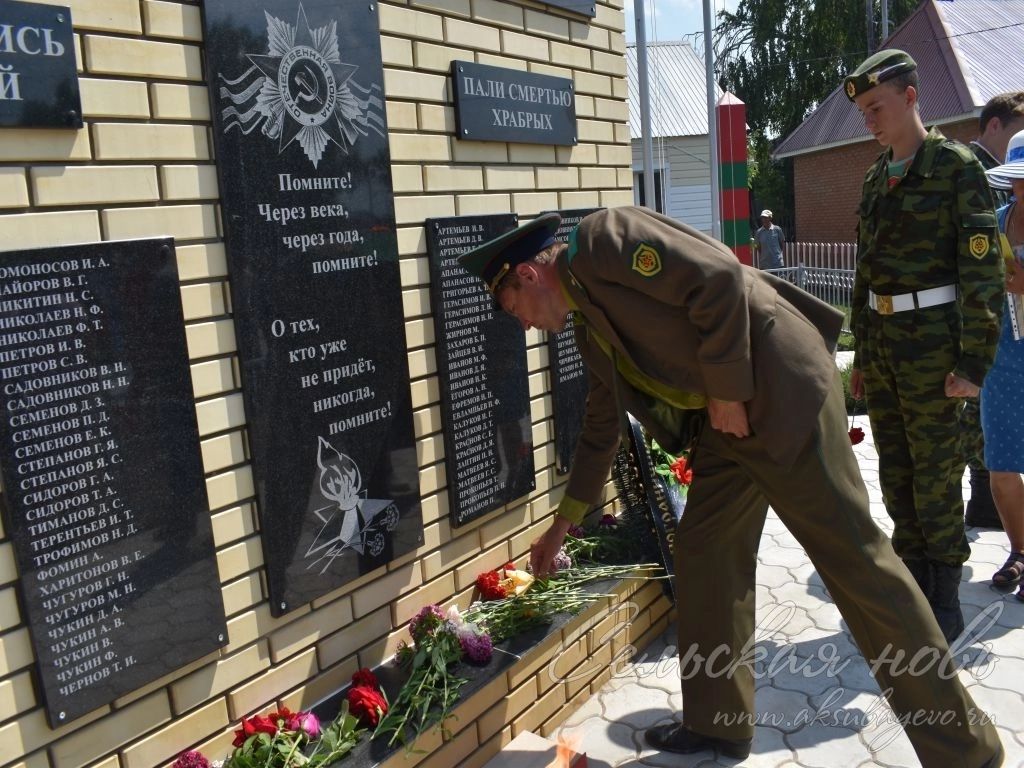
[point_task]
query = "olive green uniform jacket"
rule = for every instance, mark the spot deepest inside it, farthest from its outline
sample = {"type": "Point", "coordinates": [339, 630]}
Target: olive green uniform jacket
{"type": "Point", "coordinates": [682, 309]}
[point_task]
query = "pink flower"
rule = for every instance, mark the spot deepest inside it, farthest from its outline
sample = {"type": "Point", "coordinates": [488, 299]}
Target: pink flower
{"type": "Point", "coordinates": [191, 759]}
{"type": "Point", "coordinates": [306, 722]}
{"type": "Point", "coordinates": [477, 648]}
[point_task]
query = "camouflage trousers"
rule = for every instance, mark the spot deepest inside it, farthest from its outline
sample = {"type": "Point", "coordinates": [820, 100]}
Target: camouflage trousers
{"type": "Point", "coordinates": [970, 434]}
{"type": "Point", "coordinates": [905, 358]}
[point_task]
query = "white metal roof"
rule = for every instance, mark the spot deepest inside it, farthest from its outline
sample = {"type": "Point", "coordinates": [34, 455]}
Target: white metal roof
{"type": "Point", "coordinates": [679, 96]}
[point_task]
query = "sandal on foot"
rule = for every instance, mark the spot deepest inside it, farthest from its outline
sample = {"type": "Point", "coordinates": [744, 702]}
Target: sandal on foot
{"type": "Point", "coordinates": [1020, 594]}
{"type": "Point", "coordinates": [1010, 574]}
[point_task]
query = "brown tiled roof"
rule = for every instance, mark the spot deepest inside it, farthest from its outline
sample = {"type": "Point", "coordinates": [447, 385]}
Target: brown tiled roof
{"type": "Point", "coordinates": [967, 51]}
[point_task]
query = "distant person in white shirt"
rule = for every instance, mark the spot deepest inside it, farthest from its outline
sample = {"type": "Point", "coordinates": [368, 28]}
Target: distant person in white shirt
{"type": "Point", "coordinates": [770, 241]}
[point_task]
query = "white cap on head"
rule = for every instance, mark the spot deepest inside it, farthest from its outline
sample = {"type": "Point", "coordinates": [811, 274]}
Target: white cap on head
{"type": "Point", "coordinates": [1002, 176]}
{"type": "Point", "coordinates": [765, 213]}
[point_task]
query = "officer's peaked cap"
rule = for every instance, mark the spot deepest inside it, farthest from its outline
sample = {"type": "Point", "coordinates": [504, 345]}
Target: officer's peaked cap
{"type": "Point", "coordinates": [494, 259]}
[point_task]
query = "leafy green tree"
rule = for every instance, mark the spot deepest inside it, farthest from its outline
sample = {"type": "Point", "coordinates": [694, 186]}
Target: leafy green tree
{"type": "Point", "coordinates": [782, 57]}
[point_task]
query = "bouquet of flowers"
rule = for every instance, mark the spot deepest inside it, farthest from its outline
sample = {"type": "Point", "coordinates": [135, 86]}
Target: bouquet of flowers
{"type": "Point", "coordinates": [439, 640]}
{"type": "Point", "coordinates": [285, 739]}
{"type": "Point", "coordinates": [506, 612]}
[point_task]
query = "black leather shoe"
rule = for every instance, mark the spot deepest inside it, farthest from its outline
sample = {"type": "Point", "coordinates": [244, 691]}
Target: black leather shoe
{"type": "Point", "coordinates": [675, 737]}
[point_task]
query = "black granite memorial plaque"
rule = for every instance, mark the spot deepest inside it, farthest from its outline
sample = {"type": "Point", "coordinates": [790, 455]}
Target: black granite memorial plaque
{"type": "Point", "coordinates": [500, 104]}
{"type": "Point", "coordinates": [583, 7]}
{"type": "Point", "coordinates": [105, 498]}
{"type": "Point", "coordinates": [38, 78]}
{"type": "Point", "coordinates": [302, 153]}
{"type": "Point", "coordinates": [568, 373]}
{"type": "Point", "coordinates": [481, 361]}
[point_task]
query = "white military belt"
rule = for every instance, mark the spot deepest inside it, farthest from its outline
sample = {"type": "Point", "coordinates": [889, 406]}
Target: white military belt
{"type": "Point", "coordinates": [904, 302]}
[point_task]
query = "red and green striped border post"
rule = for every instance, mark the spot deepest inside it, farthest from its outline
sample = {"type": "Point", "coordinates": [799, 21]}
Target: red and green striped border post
{"type": "Point", "coordinates": [732, 174]}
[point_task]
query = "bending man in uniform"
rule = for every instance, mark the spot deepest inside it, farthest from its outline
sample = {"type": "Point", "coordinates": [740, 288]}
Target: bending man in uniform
{"type": "Point", "coordinates": [738, 364]}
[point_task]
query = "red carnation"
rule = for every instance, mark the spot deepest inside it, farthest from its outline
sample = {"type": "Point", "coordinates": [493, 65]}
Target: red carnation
{"type": "Point", "coordinates": [509, 566]}
{"type": "Point", "coordinates": [367, 704]}
{"type": "Point", "coordinates": [856, 435]}
{"type": "Point", "coordinates": [490, 587]}
{"type": "Point", "coordinates": [366, 678]}
{"type": "Point", "coordinates": [681, 469]}
{"type": "Point", "coordinates": [254, 725]}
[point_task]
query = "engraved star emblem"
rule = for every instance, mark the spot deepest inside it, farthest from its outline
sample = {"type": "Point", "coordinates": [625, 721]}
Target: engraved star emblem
{"type": "Point", "coordinates": [304, 73]}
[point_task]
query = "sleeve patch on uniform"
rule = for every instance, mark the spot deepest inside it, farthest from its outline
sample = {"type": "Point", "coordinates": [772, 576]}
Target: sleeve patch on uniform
{"type": "Point", "coordinates": [646, 260]}
{"type": "Point", "coordinates": [978, 245]}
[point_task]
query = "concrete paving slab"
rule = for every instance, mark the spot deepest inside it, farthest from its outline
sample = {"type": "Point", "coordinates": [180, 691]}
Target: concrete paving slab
{"type": "Point", "coordinates": [817, 704]}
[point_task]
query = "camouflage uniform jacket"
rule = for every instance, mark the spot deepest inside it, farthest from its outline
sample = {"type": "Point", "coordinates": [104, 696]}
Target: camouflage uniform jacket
{"type": "Point", "coordinates": [1000, 197]}
{"type": "Point", "coordinates": [935, 227]}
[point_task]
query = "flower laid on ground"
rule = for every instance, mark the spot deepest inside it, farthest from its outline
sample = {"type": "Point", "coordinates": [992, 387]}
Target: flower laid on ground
{"type": "Point", "coordinates": [285, 739]}
{"type": "Point", "coordinates": [674, 470]}
{"type": "Point", "coordinates": [191, 760]}
{"type": "Point", "coordinates": [563, 592]}
{"type": "Point", "coordinates": [505, 581]}
{"type": "Point", "coordinates": [430, 693]}
{"type": "Point", "coordinates": [366, 700]}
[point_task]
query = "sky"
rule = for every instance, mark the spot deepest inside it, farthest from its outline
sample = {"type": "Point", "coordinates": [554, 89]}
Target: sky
{"type": "Point", "coordinates": [672, 19]}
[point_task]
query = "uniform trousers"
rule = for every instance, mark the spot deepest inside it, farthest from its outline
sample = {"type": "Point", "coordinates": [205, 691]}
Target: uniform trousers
{"type": "Point", "coordinates": [917, 430]}
{"type": "Point", "coordinates": [822, 500]}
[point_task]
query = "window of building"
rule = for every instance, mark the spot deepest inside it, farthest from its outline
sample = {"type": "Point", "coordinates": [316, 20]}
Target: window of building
{"type": "Point", "coordinates": [659, 190]}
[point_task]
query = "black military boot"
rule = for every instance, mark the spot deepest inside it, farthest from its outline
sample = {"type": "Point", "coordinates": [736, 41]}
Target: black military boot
{"type": "Point", "coordinates": [981, 509]}
{"type": "Point", "coordinates": [945, 599]}
{"type": "Point", "coordinates": [921, 570]}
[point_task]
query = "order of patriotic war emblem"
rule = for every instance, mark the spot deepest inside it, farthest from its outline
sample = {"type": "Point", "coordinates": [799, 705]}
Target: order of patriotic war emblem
{"type": "Point", "coordinates": [302, 91]}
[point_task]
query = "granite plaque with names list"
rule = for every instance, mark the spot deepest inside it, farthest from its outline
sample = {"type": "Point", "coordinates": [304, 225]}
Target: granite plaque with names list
{"type": "Point", "coordinates": [304, 165]}
{"type": "Point", "coordinates": [481, 361]}
{"type": "Point", "coordinates": [568, 373]}
{"type": "Point", "coordinates": [105, 497]}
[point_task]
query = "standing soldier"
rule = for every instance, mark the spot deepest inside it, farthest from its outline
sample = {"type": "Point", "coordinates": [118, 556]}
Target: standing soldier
{"type": "Point", "coordinates": [1000, 119]}
{"type": "Point", "coordinates": [927, 300]}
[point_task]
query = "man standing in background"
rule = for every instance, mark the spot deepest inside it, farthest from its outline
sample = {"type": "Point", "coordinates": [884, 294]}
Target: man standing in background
{"type": "Point", "coordinates": [770, 242]}
{"type": "Point", "coordinates": [1000, 119]}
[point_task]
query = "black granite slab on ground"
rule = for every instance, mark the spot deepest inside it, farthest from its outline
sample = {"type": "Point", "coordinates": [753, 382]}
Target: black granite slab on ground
{"type": "Point", "coordinates": [105, 496]}
{"type": "Point", "coordinates": [304, 165]}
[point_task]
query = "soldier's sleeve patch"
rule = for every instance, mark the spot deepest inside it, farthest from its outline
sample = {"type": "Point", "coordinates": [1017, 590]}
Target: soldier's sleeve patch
{"type": "Point", "coordinates": [978, 245]}
{"type": "Point", "coordinates": [646, 260]}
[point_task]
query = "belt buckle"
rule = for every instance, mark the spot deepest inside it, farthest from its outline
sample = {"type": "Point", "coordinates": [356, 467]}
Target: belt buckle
{"type": "Point", "coordinates": [883, 304]}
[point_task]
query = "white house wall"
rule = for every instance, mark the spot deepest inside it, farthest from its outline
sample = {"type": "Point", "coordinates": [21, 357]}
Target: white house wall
{"type": "Point", "coordinates": [688, 177]}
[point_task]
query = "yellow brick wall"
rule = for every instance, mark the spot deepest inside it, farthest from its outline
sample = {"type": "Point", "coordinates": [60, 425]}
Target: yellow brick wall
{"type": "Point", "coordinates": [143, 166]}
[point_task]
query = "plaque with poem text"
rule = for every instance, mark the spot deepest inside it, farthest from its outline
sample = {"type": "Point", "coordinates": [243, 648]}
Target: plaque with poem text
{"type": "Point", "coordinates": [302, 153]}
{"type": "Point", "coordinates": [481, 361]}
{"type": "Point", "coordinates": [105, 497]}
{"type": "Point", "coordinates": [568, 373]}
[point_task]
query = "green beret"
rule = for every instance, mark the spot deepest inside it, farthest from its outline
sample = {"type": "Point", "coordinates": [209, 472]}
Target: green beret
{"type": "Point", "coordinates": [876, 69]}
{"type": "Point", "coordinates": [492, 260]}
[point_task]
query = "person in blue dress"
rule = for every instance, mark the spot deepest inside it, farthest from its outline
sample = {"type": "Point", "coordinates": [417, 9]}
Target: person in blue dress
{"type": "Point", "coordinates": [1000, 395]}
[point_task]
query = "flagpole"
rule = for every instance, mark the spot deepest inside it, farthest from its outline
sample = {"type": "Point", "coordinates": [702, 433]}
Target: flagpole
{"type": "Point", "coordinates": [645, 106]}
